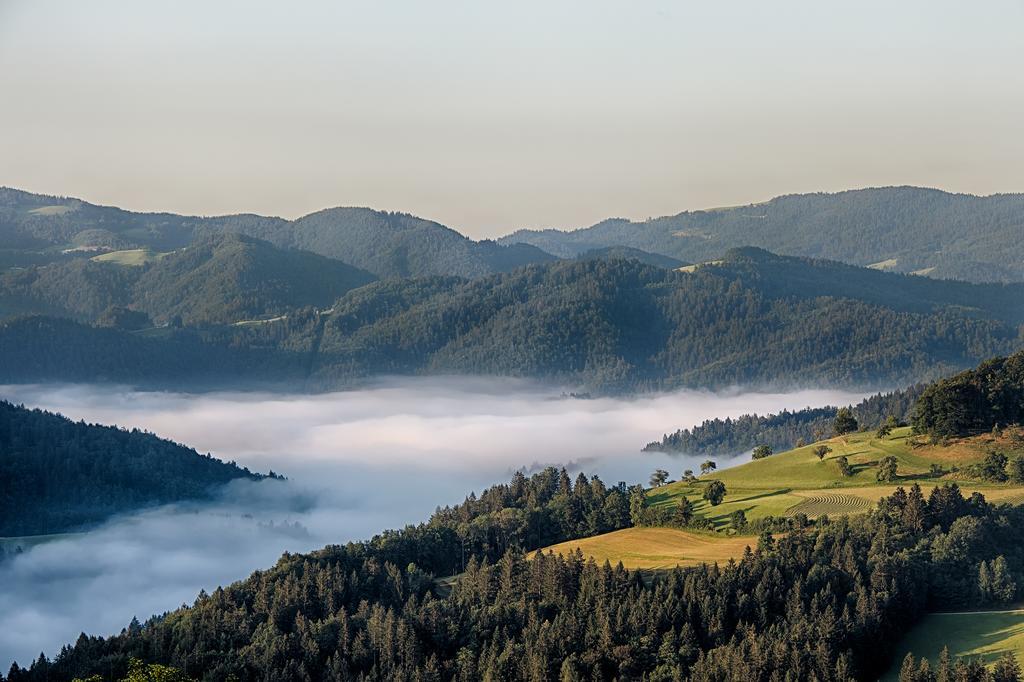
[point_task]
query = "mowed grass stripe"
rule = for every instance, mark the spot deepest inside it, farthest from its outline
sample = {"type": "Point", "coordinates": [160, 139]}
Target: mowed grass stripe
{"type": "Point", "coordinates": [831, 504]}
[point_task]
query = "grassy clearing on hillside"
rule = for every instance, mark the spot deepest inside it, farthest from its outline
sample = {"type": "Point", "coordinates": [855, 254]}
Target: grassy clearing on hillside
{"type": "Point", "coordinates": [658, 548]}
{"type": "Point", "coordinates": [887, 264]}
{"type": "Point", "coordinates": [52, 210]}
{"type": "Point", "coordinates": [797, 482]}
{"type": "Point", "coordinates": [977, 634]}
{"type": "Point", "coordinates": [693, 268]}
{"type": "Point", "coordinates": [130, 257]}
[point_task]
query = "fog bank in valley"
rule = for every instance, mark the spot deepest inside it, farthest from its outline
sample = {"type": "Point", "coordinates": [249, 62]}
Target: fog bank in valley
{"type": "Point", "coordinates": [358, 462]}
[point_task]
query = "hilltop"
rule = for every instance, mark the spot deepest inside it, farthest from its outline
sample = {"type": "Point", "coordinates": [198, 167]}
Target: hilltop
{"type": "Point", "coordinates": [220, 280]}
{"type": "Point", "coordinates": [613, 325]}
{"type": "Point", "coordinates": [903, 229]}
{"type": "Point", "coordinates": [36, 228]}
{"type": "Point", "coordinates": [61, 475]}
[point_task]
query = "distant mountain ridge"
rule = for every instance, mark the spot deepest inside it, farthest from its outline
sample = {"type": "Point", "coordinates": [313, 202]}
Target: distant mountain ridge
{"type": "Point", "coordinates": [904, 229]}
{"type": "Point", "coordinates": [220, 279]}
{"type": "Point", "coordinates": [41, 227]}
{"type": "Point", "coordinates": [754, 319]}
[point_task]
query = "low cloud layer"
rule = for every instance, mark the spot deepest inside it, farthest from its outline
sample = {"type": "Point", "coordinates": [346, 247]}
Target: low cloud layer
{"type": "Point", "coordinates": [358, 462]}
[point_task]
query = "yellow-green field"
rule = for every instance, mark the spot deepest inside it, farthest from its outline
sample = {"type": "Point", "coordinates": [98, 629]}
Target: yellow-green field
{"type": "Point", "coordinates": [129, 257]}
{"type": "Point", "coordinates": [693, 268]}
{"type": "Point", "coordinates": [797, 482]}
{"type": "Point", "coordinates": [887, 264]}
{"type": "Point", "coordinates": [982, 634]}
{"type": "Point", "coordinates": [658, 548]}
{"type": "Point", "coordinates": [52, 210]}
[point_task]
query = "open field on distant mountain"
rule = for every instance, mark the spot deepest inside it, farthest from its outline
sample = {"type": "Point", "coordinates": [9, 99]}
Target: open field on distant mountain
{"type": "Point", "coordinates": [658, 548]}
{"type": "Point", "coordinates": [985, 635]}
{"type": "Point", "coordinates": [129, 256]}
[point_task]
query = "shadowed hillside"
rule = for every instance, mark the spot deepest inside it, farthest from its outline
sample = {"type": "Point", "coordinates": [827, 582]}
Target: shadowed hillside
{"type": "Point", "coordinates": [905, 229]}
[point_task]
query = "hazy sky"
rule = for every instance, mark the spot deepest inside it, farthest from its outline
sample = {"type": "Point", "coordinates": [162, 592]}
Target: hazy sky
{"type": "Point", "coordinates": [492, 116]}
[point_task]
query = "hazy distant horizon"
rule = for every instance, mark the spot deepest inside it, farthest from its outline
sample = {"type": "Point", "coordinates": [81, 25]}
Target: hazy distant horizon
{"type": "Point", "coordinates": [491, 118]}
{"type": "Point", "coordinates": [499, 233]}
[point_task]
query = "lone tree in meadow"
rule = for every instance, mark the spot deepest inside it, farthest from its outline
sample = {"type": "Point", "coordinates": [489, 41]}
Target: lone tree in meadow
{"type": "Point", "coordinates": [844, 422]}
{"type": "Point", "coordinates": [684, 512]}
{"type": "Point", "coordinates": [762, 451]}
{"type": "Point", "coordinates": [820, 451]}
{"type": "Point", "coordinates": [886, 428]}
{"type": "Point", "coordinates": [707, 466]}
{"type": "Point", "coordinates": [688, 476]}
{"type": "Point", "coordinates": [886, 469]}
{"type": "Point", "coordinates": [658, 478]}
{"type": "Point", "coordinates": [844, 466]}
{"type": "Point", "coordinates": [994, 467]}
{"type": "Point", "coordinates": [715, 492]}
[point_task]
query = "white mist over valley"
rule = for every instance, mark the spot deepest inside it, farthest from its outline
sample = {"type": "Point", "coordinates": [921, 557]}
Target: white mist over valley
{"type": "Point", "coordinates": [357, 462]}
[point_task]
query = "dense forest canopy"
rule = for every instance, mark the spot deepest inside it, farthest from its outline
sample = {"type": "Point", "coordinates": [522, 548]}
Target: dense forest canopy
{"type": "Point", "coordinates": [974, 400]}
{"type": "Point", "coordinates": [828, 602]}
{"type": "Point", "coordinates": [613, 325]}
{"type": "Point", "coordinates": [60, 475]}
{"type": "Point", "coordinates": [905, 229]}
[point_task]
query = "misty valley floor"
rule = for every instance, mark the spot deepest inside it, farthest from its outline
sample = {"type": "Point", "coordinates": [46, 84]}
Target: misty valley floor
{"type": "Point", "coordinates": [358, 462]}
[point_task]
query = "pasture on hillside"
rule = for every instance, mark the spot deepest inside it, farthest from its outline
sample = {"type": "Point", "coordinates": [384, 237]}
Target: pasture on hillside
{"type": "Point", "coordinates": [798, 481]}
{"type": "Point", "coordinates": [658, 548]}
{"type": "Point", "coordinates": [129, 257]}
{"type": "Point", "coordinates": [977, 634]}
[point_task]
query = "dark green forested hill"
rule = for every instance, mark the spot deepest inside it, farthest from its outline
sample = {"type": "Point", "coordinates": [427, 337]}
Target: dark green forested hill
{"type": "Point", "coordinates": [40, 349]}
{"type": "Point", "coordinates": [988, 396]}
{"type": "Point", "coordinates": [627, 253]}
{"type": "Point", "coordinates": [795, 277]}
{"type": "Point", "coordinates": [59, 475]}
{"type": "Point", "coordinates": [619, 324]}
{"type": "Point", "coordinates": [233, 277]}
{"type": "Point", "coordinates": [823, 601]}
{"type": "Point", "coordinates": [612, 324]}
{"type": "Point", "coordinates": [37, 228]}
{"type": "Point", "coordinates": [906, 229]}
{"type": "Point", "coordinates": [221, 279]}
{"type": "Point", "coordinates": [397, 244]}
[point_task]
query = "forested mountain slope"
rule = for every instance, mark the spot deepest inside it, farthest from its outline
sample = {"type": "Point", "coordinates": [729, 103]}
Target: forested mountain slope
{"type": "Point", "coordinates": [620, 324]}
{"type": "Point", "coordinates": [221, 279]}
{"type": "Point", "coordinates": [906, 229]}
{"type": "Point", "coordinates": [826, 602]}
{"type": "Point", "coordinates": [614, 325]}
{"type": "Point", "coordinates": [37, 228]}
{"type": "Point", "coordinates": [41, 349]}
{"type": "Point", "coordinates": [59, 475]}
{"type": "Point", "coordinates": [795, 277]}
{"type": "Point", "coordinates": [394, 244]}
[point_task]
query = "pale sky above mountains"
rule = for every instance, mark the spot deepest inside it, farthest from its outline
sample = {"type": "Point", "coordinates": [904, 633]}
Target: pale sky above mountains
{"type": "Point", "coordinates": [493, 116]}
